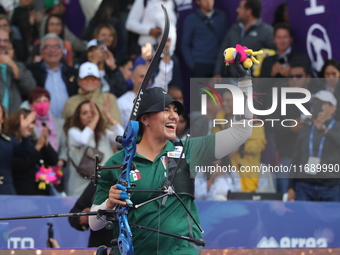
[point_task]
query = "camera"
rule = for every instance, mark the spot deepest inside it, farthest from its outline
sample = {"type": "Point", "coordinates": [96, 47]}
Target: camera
{"type": "Point", "coordinates": [282, 61]}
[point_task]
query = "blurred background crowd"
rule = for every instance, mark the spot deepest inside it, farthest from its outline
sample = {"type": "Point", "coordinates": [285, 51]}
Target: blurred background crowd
{"type": "Point", "coordinates": [63, 92]}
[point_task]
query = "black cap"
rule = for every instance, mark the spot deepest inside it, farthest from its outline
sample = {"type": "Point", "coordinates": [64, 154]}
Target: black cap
{"type": "Point", "coordinates": [155, 99]}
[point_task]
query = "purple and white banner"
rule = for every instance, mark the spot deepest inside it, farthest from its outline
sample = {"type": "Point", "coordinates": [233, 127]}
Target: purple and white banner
{"type": "Point", "coordinates": [315, 26]}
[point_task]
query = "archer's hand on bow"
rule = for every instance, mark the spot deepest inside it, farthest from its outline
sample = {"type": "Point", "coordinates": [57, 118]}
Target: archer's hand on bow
{"type": "Point", "coordinates": [116, 193]}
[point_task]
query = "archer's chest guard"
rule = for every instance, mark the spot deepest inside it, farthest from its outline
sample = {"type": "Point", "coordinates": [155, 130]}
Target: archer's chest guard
{"type": "Point", "coordinates": [183, 183]}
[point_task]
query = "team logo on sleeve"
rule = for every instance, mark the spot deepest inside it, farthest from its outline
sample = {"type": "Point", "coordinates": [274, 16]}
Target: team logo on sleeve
{"type": "Point", "coordinates": [135, 175]}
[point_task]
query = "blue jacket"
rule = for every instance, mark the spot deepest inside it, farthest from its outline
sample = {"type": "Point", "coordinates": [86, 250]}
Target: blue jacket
{"type": "Point", "coordinates": [202, 37]}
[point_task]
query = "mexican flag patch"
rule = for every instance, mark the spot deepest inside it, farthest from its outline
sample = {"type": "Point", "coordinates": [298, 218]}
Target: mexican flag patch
{"type": "Point", "coordinates": [135, 175]}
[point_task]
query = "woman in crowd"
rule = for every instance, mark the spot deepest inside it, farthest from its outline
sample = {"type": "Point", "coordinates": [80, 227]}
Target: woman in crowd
{"type": "Point", "coordinates": [330, 71]}
{"type": "Point", "coordinates": [111, 77]}
{"type": "Point", "coordinates": [108, 34]}
{"type": "Point", "coordinates": [10, 148]}
{"type": "Point", "coordinates": [55, 25]}
{"type": "Point", "coordinates": [88, 129]}
{"type": "Point", "coordinates": [25, 167]}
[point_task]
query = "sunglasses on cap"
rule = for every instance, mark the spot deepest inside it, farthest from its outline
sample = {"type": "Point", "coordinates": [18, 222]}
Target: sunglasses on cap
{"type": "Point", "coordinates": [90, 78]}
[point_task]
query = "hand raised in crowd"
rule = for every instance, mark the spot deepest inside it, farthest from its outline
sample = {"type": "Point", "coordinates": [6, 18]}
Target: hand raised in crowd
{"type": "Point", "coordinates": [106, 111]}
{"type": "Point", "coordinates": [299, 125]}
{"type": "Point", "coordinates": [6, 59]}
{"type": "Point", "coordinates": [291, 195]}
{"type": "Point", "coordinates": [147, 52]}
{"type": "Point", "coordinates": [95, 115]}
{"type": "Point", "coordinates": [43, 139]}
{"type": "Point", "coordinates": [26, 123]}
{"type": "Point", "coordinates": [155, 32]}
{"type": "Point", "coordinates": [320, 120]}
{"type": "Point", "coordinates": [96, 56]}
{"type": "Point", "coordinates": [284, 71]}
{"type": "Point", "coordinates": [109, 59]}
{"type": "Point", "coordinates": [280, 69]}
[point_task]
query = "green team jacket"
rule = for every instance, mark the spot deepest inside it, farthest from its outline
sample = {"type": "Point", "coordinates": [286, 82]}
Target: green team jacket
{"type": "Point", "coordinates": [171, 217]}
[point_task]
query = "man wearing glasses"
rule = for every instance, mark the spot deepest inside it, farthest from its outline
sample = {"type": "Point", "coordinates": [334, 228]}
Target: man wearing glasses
{"type": "Point", "coordinates": [54, 75]}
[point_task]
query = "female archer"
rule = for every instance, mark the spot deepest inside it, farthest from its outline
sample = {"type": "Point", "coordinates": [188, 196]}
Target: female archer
{"type": "Point", "coordinates": [155, 159]}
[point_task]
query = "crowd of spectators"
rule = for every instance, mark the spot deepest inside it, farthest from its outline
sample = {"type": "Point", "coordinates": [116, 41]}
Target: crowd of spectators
{"type": "Point", "coordinates": [64, 93]}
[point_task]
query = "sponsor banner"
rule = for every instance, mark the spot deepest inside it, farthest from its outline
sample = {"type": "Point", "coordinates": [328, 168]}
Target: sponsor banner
{"type": "Point", "coordinates": [247, 224]}
{"type": "Point", "coordinates": [317, 35]}
{"type": "Point", "coordinates": [270, 224]}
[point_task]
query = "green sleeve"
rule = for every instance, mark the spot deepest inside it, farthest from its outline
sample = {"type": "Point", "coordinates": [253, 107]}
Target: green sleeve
{"type": "Point", "coordinates": [200, 151]}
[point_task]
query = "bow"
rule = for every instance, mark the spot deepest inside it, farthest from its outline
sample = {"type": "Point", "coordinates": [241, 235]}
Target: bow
{"type": "Point", "coordinates": [129, 141]}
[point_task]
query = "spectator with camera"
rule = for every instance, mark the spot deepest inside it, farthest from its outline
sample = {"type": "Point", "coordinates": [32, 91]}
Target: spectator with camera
{"type": "Point", "coordinates": [278, 66]}
{"type": "Point", "coordinates": [316, 154]}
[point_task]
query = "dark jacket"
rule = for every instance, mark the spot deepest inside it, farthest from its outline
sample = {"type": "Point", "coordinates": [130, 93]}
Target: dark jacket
{"type": "Point", "coordinates": [11, 148]}
{"type": "Point", "coordinates": [202, 37]}
{"type": "Point", "coordinates": [292, 57]}
{"type": "Point", "coordinates": [97, 238]}
{"type": "Point", "coordinates": [330, 156]}
{"type": "Point", "coordinates": [259, 35]}
{"type": "Point", "coordinates": [69, 75]}
{"type": "Point", "coordinates": [24, 169]}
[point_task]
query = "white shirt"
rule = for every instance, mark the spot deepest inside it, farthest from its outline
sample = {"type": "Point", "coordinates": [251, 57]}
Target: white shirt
{"type": "Point", "coordinates": [125, 104]}
{"type": "Point", "coordinates": [141, 20]}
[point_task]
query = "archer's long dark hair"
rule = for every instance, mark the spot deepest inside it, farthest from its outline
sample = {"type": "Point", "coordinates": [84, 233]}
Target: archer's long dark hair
{"type": "Point", "coordinates": [99, 131]}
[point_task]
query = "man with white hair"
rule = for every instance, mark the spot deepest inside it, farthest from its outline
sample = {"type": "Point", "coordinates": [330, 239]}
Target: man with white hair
{"type": "Point", "coordinates": [316, 161]}
{"type": "Point", "coordinates": [50, 73]}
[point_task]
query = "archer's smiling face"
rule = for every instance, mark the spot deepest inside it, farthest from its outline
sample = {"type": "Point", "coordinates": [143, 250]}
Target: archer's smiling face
{"type": "Point", "coordinates": [161, 125]}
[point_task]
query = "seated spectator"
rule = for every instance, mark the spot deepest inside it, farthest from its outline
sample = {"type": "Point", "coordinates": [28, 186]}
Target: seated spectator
{"type": "Point", "coordinates": [55, 25]}
{"type": "Point", "coordinates": [58, 7]}
{"type": "Point", "coordinates": [249, 30]}
{"type": "Point", "coordinates": [331, 74]}
{"type": "Point", "coordinates": [317, 145]}
{"type": "Point", "coordinates": [125, 102]}
{"type": "Point", "coordinates": [83, 204]}
{"type": "Point", "coordinates": [88, 129]}
{"type": "Point", "coordinates": [26, 19]}
{"type": "Point", "coordinates": [126, 67]}
{"type": "Point", "coordinates": [164, 75]}
{"type": "Point", "coordinates": [107, 16]}
{"type": "Point", "coordinates": [108, 34]}
{"type": "Point", "coordinates": [111, 77]}
{"type": "Point", "coordinates": [39, 101]}
{"type": "Point", "coordinates": [89, 83]}
{"type": "Point", "coordinates": [24, 169]}
{"type": "Point", "coordinates": [278, 65]}
{"type": "Point", "coordinates": [11, 148]}
{"type": "Point", "coordinates": [16, 80]}
{"type": "Point", "coordinates": [50, 73]}
{"type": "Point", "coordinates": [176, 93]}
{"type": "Point", "coordinates": [183, 126]}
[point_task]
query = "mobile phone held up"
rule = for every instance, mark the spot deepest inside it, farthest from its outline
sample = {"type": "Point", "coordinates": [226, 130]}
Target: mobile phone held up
{"type": "Point", "coordinates": [50, 234]}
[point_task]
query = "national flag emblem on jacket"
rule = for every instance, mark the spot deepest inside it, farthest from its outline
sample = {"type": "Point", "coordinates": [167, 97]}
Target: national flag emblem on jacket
{"type": "Point", "coordinates": [135, 175]}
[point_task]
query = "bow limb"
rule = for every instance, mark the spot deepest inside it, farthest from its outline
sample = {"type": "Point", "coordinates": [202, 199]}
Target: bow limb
{"type": "Point", "coordinates": [129, 141]}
